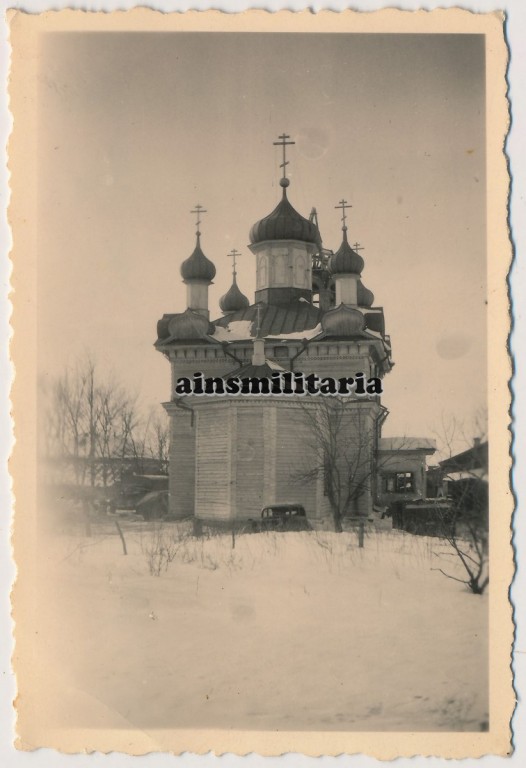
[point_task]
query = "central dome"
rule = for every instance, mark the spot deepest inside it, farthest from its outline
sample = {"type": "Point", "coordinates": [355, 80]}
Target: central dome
{"type": "Point", "coordinates": [284, 223]}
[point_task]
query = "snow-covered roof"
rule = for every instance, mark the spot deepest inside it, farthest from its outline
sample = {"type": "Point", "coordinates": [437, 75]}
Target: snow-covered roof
{"type": "Point", "coordinates": [407, 444]}
{"type": "Point", "coordinates": [236, 330]}
{"type": "Point", "coordinates": [272, 320]}
{"type": "Point", "coordinates": [472, 474]}
{"type": "Point", "coordinates": [309, 334]}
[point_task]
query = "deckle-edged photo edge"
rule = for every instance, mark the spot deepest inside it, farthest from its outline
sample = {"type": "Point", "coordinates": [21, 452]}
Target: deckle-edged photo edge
{"type": "Point", "coordinates": [23, 152]}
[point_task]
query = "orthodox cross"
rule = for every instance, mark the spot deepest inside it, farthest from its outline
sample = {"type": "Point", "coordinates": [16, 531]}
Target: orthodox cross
{"type": "Point", "coordinates": [233, 253]}
{"type": "Point", "coordinates": [198, 210]}
{"type": "Point", "coordinates": [284, 143]}
{"type": "Point", "coordinates": [343, 205]}
{"type": "Point", "coordinates": [357, 247]}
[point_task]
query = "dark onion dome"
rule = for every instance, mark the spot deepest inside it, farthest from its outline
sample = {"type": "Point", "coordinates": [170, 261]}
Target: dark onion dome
{"type": "Point", "coordinates": [188, 325]}
{"type": "Point", "coordinates": [284, 223]}
{"type": "Point", "coordinates": [346, 261]}
{"type": "Point", "coordinates": [162, 327]}
{"type": "Point", "coordinates": [365, 296]}
{"type": "Point", "coordinates": [233, 299]}
{"type": "Point", "coordinates": [343, 321]}
{"type": "Point", "coordinates": [375, 321]}
{"type": "Point", "coordinates": [197, 266]}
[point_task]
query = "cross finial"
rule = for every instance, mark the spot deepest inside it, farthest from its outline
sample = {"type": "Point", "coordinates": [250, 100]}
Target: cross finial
{"type": "Point", "coordinates": [284, 143]}
{"type": "Point", "coordinates": [233, 254]}
{"type": "Point", "coordinates": [198, 210]}
{"type": "Point", "coordinates": [343, 205]}
{"type": "Point", "coordinates": [357, 247]}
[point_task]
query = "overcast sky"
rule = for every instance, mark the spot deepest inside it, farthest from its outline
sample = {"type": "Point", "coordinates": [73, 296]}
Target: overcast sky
{"type": "Point", "coordinates": [134, 129]}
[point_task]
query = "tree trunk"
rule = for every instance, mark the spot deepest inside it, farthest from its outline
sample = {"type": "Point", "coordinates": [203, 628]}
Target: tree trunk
{"type": "Point", "coordinates": [361, 531]}
{"type": "Point", "coordinates": [337, 518]}
{"type": "Point", "coordinates": [119, 529]}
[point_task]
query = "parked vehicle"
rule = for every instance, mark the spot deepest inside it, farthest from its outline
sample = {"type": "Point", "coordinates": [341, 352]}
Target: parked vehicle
{"type": "Point", "coordinates": [424, 517]}
{"type": "Point", "coordinates": [153, 506]}
{"type": "Point", "coordinates": [133, 488]}
{"type": "Point", "coordinates": [282, 517]}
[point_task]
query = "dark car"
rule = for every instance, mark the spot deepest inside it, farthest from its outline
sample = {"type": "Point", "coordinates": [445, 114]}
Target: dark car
{"type": "Point", "coordinates": [154, 506]}
{"type": "Point", "coordinates": [133, 488]}
{"type": "Point", "coordinates": [282, 517]}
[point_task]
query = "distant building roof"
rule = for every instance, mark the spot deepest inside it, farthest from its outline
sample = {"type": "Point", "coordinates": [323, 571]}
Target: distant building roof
{"type": "Point", "coordinates": [426, 444]}
{"type": "Point", "coordinates": [469, 474]}
{"type": "Point", "coordinates": [472, 458]}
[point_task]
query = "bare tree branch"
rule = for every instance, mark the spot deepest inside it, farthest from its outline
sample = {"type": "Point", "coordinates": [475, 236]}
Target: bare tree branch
{"type": "Point", "coordinates": [339, 452]}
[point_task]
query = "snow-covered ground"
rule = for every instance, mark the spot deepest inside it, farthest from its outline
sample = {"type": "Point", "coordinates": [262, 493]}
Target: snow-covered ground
{"type": "Point", "coordinates": [287, 631]}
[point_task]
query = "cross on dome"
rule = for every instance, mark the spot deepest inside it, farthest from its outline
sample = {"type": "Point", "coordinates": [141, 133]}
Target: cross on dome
{"type": "Point", "coordinates": [233, 254]}
{"type": "Point", "coordinates": [284, 223]}
{"type": "Point", "coordinates": [343, 205]}
{"type": "Point", "coordinates": [198, 210]}
{"type": "Point", "coordinates": [284, 182]}
{"type": "Point", "coordinates": [197, 268]}
{"type": "Point", "coordinates": [346, 261]}
{"type": "Point", "coordinates": [233, 300]}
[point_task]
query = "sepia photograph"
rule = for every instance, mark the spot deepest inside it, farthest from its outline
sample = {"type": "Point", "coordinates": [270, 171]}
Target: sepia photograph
{"type": "Point", "coordinates": [268, 489]}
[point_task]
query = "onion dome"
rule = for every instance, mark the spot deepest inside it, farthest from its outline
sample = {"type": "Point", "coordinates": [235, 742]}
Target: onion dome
{"type": "Point", "coordinates": [162, 327]}
{"type": "Point", "coordinates": [284, 223]}
{"type": "Point", "coordinates": [197, 266]}
{"type": "Point", "coordinates": [189, 325]}
{"type": "Point", "coordinates": [346, 261]}
{"type": "Point", "coordinates": [343, 321]}
{"type": "Point", "coordinates": [365, 296]}
{"type": "Point", "coordinates": [233, 300]}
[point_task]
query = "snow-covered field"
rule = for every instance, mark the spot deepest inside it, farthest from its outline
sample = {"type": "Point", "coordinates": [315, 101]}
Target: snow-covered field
{"type": "Point", "coordinates": [287, 631]}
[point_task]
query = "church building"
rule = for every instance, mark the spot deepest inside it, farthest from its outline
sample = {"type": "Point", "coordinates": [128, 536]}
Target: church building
{"type": "Point", "coordinates": [232, 455]}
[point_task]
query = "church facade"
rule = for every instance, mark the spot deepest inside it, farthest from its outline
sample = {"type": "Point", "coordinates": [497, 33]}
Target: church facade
{"type": "Point", "coordinates": [232, 455]}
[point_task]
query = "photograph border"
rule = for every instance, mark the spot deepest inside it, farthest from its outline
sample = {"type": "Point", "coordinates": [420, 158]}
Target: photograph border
{"type": "Point", "coordinates": [25, 31]}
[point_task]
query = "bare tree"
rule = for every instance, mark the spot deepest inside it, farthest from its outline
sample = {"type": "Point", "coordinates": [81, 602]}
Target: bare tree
{"type": "Point", "coordinates": [454, 434]}
{"type": "Point", "coordinates": [466, 531]}
{"type": "Point", "coordinates": [341, 450]}
{"type": "Point", "coordinates": [88, 422]}
{"type": "Point", "coordinates": [117, 430]}
{"type": "Point", "coordinates": [465, 524]}
{"type": "Point", "coordinates": [68, 421]}
{"type": "Point", "coordinates": [158, 438]}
